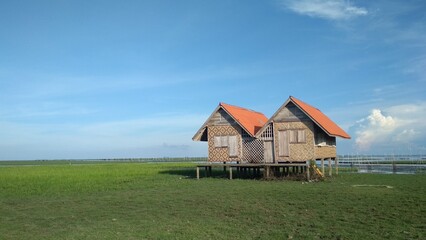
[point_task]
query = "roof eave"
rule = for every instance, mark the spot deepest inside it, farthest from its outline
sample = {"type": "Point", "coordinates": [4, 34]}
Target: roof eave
{"type": "Point", "coordinates": [316, 122]}
{"type": "Point", "coordinates": [197, 136]}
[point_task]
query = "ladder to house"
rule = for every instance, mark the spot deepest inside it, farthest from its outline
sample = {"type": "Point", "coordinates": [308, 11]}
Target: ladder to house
{"type": "Point", "coordinates": [317, 171]}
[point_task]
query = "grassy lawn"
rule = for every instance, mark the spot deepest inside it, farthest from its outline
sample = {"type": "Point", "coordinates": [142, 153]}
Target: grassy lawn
{"type": "Point", "coordinates": [160, 201]}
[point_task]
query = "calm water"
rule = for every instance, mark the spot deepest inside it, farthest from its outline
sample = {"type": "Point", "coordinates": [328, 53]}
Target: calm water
{"type": "Point", "coordinates": [399, 164]}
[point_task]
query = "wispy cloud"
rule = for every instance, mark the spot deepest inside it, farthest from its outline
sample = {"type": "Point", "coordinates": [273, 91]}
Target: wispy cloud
{"type": "Point", "coordinates": [327, 9]}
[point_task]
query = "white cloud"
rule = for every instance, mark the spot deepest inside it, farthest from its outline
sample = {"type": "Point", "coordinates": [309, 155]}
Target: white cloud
{"type": "Point", "coordinates": [374, 128]}
{"type": "Point", "coordinates": [328, 9]}
{"type": "Point", "coordinates": [376, 118]}
{"type": "Point", "coordinates": [401, 126]}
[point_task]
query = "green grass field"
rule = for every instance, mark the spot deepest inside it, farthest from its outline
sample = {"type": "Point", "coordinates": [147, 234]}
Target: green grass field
{"type": "Point", "coordinates": [164, 201]}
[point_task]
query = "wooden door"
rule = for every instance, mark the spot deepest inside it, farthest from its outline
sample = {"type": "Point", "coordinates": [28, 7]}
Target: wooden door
{"type": "Point", "coordinates": [233, 146]}
{"type": "Point", "coordinates": [283, 148]}
{"type": "Point", "coordinates": [268, 151]}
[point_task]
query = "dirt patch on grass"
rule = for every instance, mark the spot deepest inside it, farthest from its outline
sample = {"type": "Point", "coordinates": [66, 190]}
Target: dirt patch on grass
{"type": "Point", "coordinates": [373, 186]}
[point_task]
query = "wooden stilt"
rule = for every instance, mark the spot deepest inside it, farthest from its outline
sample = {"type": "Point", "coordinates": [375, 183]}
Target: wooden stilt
{"type": "Point", "coordinates": [322, 166]}
{"type": "Point", "coordinates": [329, 167]}
{"type": "Point", "coordinates": [230, 172]}
{"type": "Point", "coordinates": [198, 172]}
{"type": "Point", "coordinates": [308, 175]}
{"type": "Point", "coordinates": [267, 171]}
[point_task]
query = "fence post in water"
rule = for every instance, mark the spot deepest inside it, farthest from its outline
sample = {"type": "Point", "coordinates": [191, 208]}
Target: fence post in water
{"type": "Point", "coordinates": [336, 163]}
{"type": "Point", "coordinates": [394, 167]}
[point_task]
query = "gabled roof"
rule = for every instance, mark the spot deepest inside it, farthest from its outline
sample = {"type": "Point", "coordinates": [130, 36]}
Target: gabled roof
{"type": "Point", "coordinates": [320, 119]}
{"type": "Point", "coordinates": [251, 121]}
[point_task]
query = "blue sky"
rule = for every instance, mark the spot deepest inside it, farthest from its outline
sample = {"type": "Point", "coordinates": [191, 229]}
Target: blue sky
{"type": "Point", "coordinates": [112, 79]}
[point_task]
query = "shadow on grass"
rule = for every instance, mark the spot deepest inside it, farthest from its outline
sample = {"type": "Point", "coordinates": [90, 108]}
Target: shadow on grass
{"type": "Point", "coordinates": [215, 173]}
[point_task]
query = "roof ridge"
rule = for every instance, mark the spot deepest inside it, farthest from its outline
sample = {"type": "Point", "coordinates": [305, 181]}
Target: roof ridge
{"type": "Point", "coordinates": [243, 108]}
{"type": "Point", "coordinates": [293, 98]}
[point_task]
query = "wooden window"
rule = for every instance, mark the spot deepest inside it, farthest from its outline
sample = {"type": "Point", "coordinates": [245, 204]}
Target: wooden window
{"type": "Point", "coordinates": [268, 133]}
{"type": "Point", "coordinates": [297, 136]}
{"type": "Point", "coordinates": [301, 136]}
{"type": "Point", "coordinates": [293, 136]}
{"type": "Point", "coordinates": [220, 141]}
{"type": "Point", "coordinates": [233, 146]}
{"type": "Point", "coordinates": [231, 142]}
{"type": "Point", "coordinates": [224, 141]}
{"type": "Point", "coordinates": [217, 142]}
{"type": "Point", "coordinates": [283, 150]}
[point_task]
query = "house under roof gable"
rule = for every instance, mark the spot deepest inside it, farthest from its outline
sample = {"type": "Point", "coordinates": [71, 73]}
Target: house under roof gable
{"type": "Point", "coordinates": [251, 121]}
{"type": "Point", "coordinates": [320, 119]}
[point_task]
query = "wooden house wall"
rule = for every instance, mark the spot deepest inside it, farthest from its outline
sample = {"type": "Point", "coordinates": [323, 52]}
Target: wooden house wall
{"type": "Point", "coordinates": [297, 151]}
{"type": "Point", "coordinates": [221, 124]}
{"type": "Point", "coordinates": [291, 113]}
{"type": "Point", "coordinates": [292, 118]}
{"type": "Point", "coordinates": [322, 152]}
{"type": "Point", "coordinates": [221, 154]}
{"type": "Point", "coordinates": [221, 118]}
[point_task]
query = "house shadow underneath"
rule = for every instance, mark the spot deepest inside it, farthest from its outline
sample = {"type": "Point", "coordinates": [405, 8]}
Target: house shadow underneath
{"type": "Point", "coordinates": [190, 173]}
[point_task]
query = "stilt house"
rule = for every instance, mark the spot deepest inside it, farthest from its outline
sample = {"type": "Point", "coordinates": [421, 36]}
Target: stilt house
{"type": "Point", "coordinates": [297, 132]}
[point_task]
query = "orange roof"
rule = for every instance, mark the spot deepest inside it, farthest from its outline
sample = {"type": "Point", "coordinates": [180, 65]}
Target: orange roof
{"type": "Point", "coordinates": [321, 119]}
{"type": "Point", "coordinates": [248, 119]}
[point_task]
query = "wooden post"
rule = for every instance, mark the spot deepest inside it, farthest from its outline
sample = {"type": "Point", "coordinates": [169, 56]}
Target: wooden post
{"type": "Point", "coordinates": [198, 172]}
{"type": "Point", "coordinates": [329, 167]}
{"type": "Point", "coordinates": [230, 172]}
{"type": "Point", "coordinates": [266, 173]}
{"type": "Point", "coordinates": [210, 171]}
{"type": "Point", "coordinates": [337, 165]}
{"type": "Point", "coordinates": [322, 166]}
{"type": "Point", "coordinates": [308, 175]}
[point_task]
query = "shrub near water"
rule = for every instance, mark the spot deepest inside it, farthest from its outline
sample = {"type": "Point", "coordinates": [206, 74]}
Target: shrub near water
{"type": "Point", "coordinates": [139, 201]}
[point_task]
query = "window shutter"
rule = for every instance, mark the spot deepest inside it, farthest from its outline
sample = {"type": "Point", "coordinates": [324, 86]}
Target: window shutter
{"type": "Point", "coordinates": [224, 141]}
{"type": "Point", "coordinates": [233, 146]}
{"type": "Point", "coordinates": [293, 136]}
{"type": "Point", "coordinates": [217, 141]}
{"type": "Point", "coordinates": [301, 136]}
{"type": "Point", "coordinates": [282, 143]}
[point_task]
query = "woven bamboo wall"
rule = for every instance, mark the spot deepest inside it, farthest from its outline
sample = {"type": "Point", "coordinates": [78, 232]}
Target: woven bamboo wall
{"type": "Point", "coordinates": [222, 154]}
{"type": "Point", "coordinates": [297, 151]}
{"type": "Point", "coordinates": [325, 152]}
